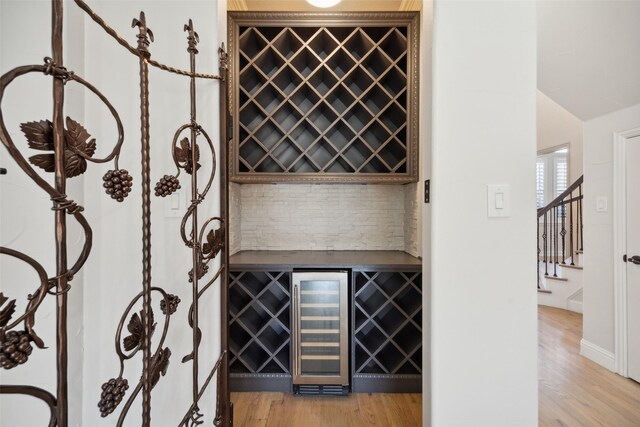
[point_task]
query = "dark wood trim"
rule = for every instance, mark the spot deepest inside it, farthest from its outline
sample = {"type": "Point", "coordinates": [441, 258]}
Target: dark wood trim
{"type": "Point", "coordinates": [224, 118]}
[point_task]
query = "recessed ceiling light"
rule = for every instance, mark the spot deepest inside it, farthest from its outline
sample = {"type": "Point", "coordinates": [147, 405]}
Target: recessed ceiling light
{"type": "Point", "coordinates": [323, 3]}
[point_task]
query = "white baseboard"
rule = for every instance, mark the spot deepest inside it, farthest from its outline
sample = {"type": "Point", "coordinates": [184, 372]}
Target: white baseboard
{"type": "Point", "coordinates": [575, 306]}
{"type": "Point", "coordinates": [597, 354]}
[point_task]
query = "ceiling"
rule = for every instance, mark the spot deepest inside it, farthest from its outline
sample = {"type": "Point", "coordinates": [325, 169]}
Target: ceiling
{"type": "Point", "coordinates": [343, 6]}
{"type": "Point", "coordinates": [589, 54]}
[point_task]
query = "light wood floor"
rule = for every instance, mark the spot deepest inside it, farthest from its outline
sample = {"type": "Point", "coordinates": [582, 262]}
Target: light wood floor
{"type": "Point", "coordinates": [283, 410]}
{"type": "Point", "coordinates": [573, 392]}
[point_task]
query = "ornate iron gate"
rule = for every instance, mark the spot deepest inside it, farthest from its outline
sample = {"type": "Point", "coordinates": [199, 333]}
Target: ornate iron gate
{"type": "Point", "coordinates": [67, 150]}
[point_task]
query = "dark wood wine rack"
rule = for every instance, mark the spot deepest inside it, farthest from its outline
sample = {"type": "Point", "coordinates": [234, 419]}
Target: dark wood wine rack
{"type": "Point", "coordinates": [387, 330]}
{"type": "Point", "coordinates": [385, 318]}
{"type": "Point", "coordinates": [259, 325]}
{"type": "Point", "coordinates": [324, 97]}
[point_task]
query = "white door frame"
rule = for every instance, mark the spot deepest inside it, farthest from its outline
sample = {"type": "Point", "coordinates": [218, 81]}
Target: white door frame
{"type": "Point", "coordinates": [619, 246]}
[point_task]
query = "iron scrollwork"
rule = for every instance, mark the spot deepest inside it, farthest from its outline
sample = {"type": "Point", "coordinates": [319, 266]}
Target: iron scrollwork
{"type": "Point", "coordinates": [186, 156]}
{"type": "Point", "coordinates": [66, 149]}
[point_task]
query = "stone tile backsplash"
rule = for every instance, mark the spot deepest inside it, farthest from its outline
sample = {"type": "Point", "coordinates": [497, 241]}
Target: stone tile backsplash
{"type": "Point", "coordinates": [321, 217]}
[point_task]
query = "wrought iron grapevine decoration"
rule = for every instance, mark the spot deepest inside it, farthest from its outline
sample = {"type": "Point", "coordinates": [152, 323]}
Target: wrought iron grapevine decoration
{"type": "Point", "coordinates": [63, 147]}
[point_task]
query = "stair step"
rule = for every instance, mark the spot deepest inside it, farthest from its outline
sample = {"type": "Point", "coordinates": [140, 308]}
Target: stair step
{"type": "Point", "coordinates": [562, 279]}
{"type": "Point", "coordinates": [544, 291]}
{"type": "Point", "coordinates": [576, 267]}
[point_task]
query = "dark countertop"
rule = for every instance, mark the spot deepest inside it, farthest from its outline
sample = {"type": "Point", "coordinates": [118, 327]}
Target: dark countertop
{"type": "Point", "coordinates": [357, 260]}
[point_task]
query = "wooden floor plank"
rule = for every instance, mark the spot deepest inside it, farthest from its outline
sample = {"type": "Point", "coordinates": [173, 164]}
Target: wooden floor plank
{"type": "Point", "coordinates": [355, 410]}
{"type": "Point", "coordinates": [573, 392]}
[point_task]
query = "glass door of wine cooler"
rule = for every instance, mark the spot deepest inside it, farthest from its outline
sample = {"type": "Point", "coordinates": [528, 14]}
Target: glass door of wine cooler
{"type": "Point", "coordinates": [320, 328]}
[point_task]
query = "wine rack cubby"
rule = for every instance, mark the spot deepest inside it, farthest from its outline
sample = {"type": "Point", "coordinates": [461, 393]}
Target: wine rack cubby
{"type": "Point", "coordinates": [387, 330]}
{"type": "Point", "coordinates": [324, 97]}
{"type": "Point", "coordinates": [259, 325]}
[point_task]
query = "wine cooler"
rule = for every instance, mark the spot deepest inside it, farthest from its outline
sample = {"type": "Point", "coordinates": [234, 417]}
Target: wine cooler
{"type": "Point", "coordinates": [320, 332]}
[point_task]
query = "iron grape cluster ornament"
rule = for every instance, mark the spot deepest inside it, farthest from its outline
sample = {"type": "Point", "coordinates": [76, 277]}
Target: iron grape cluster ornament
{"type": "Point", "coordinates": [113, 392]}
{"type": "Point", "coordinates": [167, 185]}
{"type": "Point", "coordinates": [15, 349]}
{"type": "Point", "coordinates": [117, 183]}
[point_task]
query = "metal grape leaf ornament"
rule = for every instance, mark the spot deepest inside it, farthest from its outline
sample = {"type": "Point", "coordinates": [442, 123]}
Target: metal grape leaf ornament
{"type": "Point", "coordinates": [215, 241]}
{"type": "Point", "coordinates": [136, 330]}
{"type": "Point", "coordinates": [183, 156]}
{"type": "Point", "coordinates": [39, 134]}
{"type": "Point", "coordinates": [7, 312]}
{"type": "Point", "coordinates": [159, 365]}
{"type": "Point", "coordinates": [76, 140]}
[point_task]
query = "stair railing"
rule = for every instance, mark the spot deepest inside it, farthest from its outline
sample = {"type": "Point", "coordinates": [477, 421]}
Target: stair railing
{"type": "Point", "coordinates": [559, 235]}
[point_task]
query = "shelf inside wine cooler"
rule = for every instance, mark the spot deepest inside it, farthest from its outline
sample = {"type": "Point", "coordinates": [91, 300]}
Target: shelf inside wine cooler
{"type": "Point", "coordinates": [320, 344]}
{"type": "Point", "coordinates": [311, 305]}
{"type": "Point", "coordinates": [314, 357]}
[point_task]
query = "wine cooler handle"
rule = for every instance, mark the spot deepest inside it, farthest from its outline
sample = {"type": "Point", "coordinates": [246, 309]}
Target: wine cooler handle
{"type": "Point", "coordinates": [294, 335]}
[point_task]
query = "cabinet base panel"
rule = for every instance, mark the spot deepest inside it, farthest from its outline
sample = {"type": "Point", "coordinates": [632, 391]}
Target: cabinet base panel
{"type": "Point", "coordinates": [382, 384]}
{"type": "Point", "coordinates": [360, 384]}
{"type": "Point", "coordinates": [243, 382]}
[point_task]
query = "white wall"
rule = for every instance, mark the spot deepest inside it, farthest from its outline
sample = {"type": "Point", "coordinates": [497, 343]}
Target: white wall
{"type": "Point", "coordinates": [426, 171]}
{"type": "Point", "coordinates": [598, 226]}
{"type": "Point", "coordinates": [112, 276]}
{"type": "Point", "coordinates": [557, 126]}
{"type": "Point", "coordinates": [483, 318]}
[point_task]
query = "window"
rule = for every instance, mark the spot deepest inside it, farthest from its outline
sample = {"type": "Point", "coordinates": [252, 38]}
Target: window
{"type": "Point", "coordinates": [552, 175]}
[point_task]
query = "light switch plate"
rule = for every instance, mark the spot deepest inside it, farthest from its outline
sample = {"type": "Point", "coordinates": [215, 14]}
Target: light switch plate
{"type": "Point", "coordinates": [498, 201]}
{"type": "Point", "coordinates": [175, 205]}
{"type": "Point", "coordinates": [601, 204]}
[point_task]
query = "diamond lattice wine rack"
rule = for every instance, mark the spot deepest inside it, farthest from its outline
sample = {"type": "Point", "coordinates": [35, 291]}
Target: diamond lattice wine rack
{"type": "Point", "coordinates": [324, 97]}
{"type": "Point", "coordinates": [259, 331]}
{"type": "Point", "coordinates": [388, 323]}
